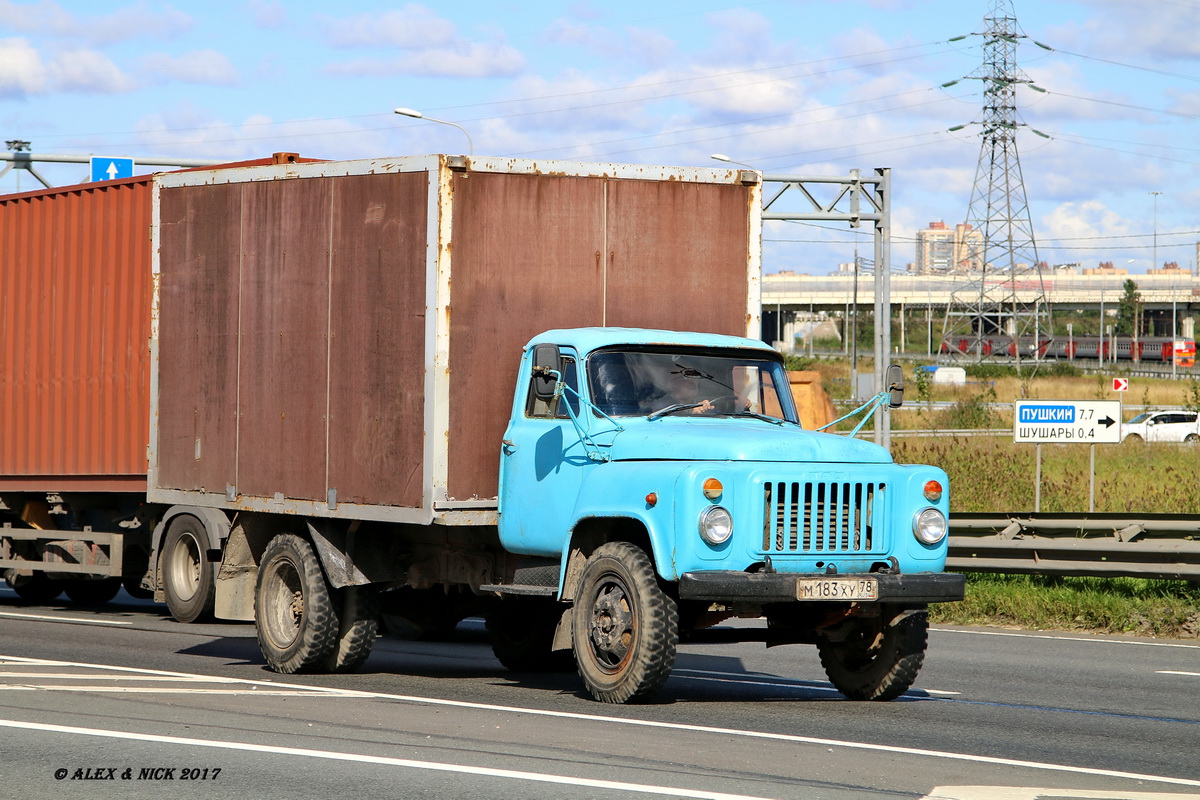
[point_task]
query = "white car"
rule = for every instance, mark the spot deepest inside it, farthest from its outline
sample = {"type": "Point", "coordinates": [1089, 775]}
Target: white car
{"type": "Point", "coordinates": [1162, 426]}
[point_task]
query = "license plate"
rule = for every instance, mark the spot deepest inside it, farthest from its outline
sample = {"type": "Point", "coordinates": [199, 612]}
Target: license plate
{"type": "Point", "coordinates": [837, 589]}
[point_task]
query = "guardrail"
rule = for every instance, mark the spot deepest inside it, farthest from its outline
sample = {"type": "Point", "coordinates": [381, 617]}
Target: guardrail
{"type": "Point", "coordinates": [1102, 545]}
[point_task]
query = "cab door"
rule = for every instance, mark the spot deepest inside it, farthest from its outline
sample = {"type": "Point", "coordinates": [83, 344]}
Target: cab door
{"type": "Point", "coordinates": [542, 465]}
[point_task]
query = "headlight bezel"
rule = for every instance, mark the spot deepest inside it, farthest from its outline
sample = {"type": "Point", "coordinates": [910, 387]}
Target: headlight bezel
{"type": "Point", "coordinates": [930, 526]}
{"type": "Point", "coordinates": [715, 525]}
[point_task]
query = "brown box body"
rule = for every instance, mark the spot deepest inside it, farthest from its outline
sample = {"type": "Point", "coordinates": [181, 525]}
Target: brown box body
{"type": "Point", "coordinates": [342, 339]}
{"type": "Point", "coordinates": [75, 286]}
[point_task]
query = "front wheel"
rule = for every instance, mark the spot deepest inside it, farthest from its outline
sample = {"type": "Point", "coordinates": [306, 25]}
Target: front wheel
{"type": "Point", "coordinates": [298, 629]}
{"type": "Point", "coordinates": [1133, 438]}
{"type": "Point", "coordinates": [876, 658]}
{"type": "Point", "coordinates": [625, 628]}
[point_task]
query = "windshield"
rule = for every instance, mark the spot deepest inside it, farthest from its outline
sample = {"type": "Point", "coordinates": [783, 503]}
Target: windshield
{"type": "Point", "coordinates": [658, 381]}
{"type": "Point", "coordinates": [1139, 418]}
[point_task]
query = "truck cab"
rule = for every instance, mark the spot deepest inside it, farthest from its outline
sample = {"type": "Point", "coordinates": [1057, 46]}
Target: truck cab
{"type": "Point", "coordinates": [668, 476]}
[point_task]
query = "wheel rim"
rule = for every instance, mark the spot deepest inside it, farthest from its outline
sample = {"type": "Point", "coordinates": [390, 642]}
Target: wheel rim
{"type": "Point", "coordinates": [613, 626]}
{"type": "Point", "coordinates": [284, 599]}
{"type": "Point", "coordinates": [184, 569]}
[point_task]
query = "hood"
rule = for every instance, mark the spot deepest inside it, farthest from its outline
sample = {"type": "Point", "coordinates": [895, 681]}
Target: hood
{"type": "Point", "coordinates": [724, 439]}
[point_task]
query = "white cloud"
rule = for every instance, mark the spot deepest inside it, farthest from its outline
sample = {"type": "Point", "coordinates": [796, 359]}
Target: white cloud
{"type": "Point", "coordinates": [269, 14]}
{"type": "Point", "coordinates": [206, 67]}
{"type": "Point", "coordinates": [21, 69]}
{"type": "Point", "coordinates": [413, 27]}
{"type": "Point", "coordinates": [461, 60]}
{"type": "Point", "coordinates": [139, 20]}
{"type": "Point", "coordinates": [88, 71]}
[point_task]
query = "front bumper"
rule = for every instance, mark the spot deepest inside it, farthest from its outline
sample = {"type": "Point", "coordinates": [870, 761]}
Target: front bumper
{"type": "Point", "coordinates": [781, 587]}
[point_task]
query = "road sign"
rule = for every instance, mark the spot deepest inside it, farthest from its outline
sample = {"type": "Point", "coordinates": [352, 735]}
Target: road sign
{"type": "Point", "coordinates": [1120, 384]}
{"type": "Point", "coordinates": [1067, 421]}
{"type": "Point", "coordinates": [108, 168]}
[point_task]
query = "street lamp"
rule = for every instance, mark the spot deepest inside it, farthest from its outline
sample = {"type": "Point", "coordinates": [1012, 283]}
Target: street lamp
{"type": "Point", "coordinates": [410, 112]}
{"type": "Point", "coordinates": [728, 160]}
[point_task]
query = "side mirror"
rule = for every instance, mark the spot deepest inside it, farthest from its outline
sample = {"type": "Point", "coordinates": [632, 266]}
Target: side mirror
{"type": "Point", "coordinates": [894, 378]}
{"type": "Point", "coordinates": [546, 362]}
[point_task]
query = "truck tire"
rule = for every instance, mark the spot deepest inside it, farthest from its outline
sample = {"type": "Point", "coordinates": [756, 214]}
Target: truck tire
{"type": "Point", "coordinates": [297, 623]}
{"type": "Point", "coordinates": [358, 614]}
{"type": "Point", "coordinates": [625, 628]}
{"type": "Point", "coordinates": [187, 579]}
{"type": "Point", "coordinates": [92, 592]}
{"type": "Point", "coordinates": [879, 658]}
{"type": "Point", "coordinates": [35, 588]}
{"type": "Point", "coordinates": [522, 632]}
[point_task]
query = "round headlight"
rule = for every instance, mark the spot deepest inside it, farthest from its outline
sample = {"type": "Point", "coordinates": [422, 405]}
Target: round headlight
{"type": "Point", "coordinates": [930, 526]}
{"type": "Point", "coordinates": [716, 525]}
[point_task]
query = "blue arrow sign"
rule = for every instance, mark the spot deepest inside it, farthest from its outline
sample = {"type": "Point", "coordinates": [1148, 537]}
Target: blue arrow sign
{"type": "Point", "coordinates": [108, 168]}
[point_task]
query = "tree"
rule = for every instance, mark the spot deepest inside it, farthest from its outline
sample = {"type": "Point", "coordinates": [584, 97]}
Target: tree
{"type": "Point", "coordinates": [1127, 309]}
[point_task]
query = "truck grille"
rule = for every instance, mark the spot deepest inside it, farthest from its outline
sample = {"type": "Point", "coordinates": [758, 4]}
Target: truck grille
{"type": "Point", "coordinates": [825, 517]}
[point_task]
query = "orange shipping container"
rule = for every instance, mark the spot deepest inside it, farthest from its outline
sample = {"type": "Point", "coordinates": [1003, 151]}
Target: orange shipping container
{"type": "Point", "coordinates": [74, 365]}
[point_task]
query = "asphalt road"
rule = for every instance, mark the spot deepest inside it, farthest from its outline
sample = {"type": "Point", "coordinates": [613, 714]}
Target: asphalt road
{"type": "Point", "coordinates": [121, 701]}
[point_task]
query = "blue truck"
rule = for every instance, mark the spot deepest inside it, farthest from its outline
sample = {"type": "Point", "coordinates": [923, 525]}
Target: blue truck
{"type": "Point", "coordinates": [432, 387]}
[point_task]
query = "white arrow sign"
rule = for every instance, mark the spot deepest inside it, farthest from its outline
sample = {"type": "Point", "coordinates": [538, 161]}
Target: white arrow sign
{"type": "Point", "coordinates": [1067, 421]}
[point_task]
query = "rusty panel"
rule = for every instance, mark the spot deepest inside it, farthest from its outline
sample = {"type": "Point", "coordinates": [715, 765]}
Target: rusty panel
{"type": "Point", "coordinates": [526, 258]}
{"type": "Point", "coordinates": [283, 335]}
{"type": "Point", "coordinates": [678, 256]}
{"type": "Point", "coordinates": [377, 359]}
{"type": "Point", "coordinates": [199, 244]}
{"type": "Point", "coordinates": [75, 287]}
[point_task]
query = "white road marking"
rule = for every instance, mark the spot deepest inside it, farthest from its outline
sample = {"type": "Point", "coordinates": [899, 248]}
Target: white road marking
{"type": "Point", "coordinates": [645, 723]}
{"type": "Point", "coordinates": [1176, 672]}
{"type": "Point", "coordinates": [1068, 638]}
{"type": "Point", "coordinates": [83, 620]}
{"type": "Point", "coordinates": [566, 780]}
{"type": "Point", "coordinates": [158, 690]}
{"type": "Point", "coordinates": [1031, 793]}
{"type": "Point", "coordinates": [54, 676]}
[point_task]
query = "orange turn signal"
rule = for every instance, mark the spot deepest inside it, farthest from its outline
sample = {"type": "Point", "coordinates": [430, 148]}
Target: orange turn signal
{"type": "Point", "coordinates": [713, 488]}
{"type": "Point", "coordinates": [933, 491]}
{"type": "Point", "coordinates": [652, 499]}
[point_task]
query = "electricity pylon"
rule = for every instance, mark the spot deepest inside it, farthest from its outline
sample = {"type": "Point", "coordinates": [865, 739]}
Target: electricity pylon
{"type": "Point", "coordinates": [1005, 294]}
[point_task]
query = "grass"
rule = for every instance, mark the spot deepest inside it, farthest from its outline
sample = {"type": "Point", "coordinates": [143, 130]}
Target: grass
{"type": "Point", "coordinates": [992, 473]}
{"type": "Point", "coordinates": [1137, 606]}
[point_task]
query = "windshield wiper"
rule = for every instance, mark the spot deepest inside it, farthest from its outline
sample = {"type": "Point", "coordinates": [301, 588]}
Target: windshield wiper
{"type": "Point", "coordinates": [671, 409]}
{"type": "Point", "coordinates": [756, 415]}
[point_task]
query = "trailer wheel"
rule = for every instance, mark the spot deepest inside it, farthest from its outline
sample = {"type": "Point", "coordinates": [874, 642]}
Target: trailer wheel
{"type": "Point", "coordinates": [187, 579]}
{"type": "Point", "coordinates": [92, 592]}
{"type": "Point", "coordinates": [522, 632]}
{"type": "Point", "coordinates": [358, 608]}
{"type": "Point", "coordinates": [878, 659]}
{"type": "Point", "coordinates": [35, 588]}
{"type": "Point", "coordinates": [297, 624]}
{"type": "Point", "coordinates": [625, 628]}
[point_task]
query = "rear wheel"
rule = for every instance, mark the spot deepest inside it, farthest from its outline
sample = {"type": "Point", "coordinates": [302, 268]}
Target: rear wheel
{"type": "Point", "coordinates": [187, 578]}
{"type": "Point", "coordinates": [625, 628]}
{"type": "Point", "coordinates": [35, 588]}
{"type": "Point", "coordinates": [92, 592]}
{"type": "Point", "coordinates": [298, 629]}
{"type": "Point", "coordinates": [358, 614]}
{"type": "Point", "coordinates": [876, 658]}
{"type": "Point", "coordinates": [1192, 438]}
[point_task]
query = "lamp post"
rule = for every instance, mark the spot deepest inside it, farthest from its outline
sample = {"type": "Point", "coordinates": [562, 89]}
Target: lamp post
{"type": "Point", "coordinates": [410, 112]}
{"type": "Point", "coordinates": [728, 160]}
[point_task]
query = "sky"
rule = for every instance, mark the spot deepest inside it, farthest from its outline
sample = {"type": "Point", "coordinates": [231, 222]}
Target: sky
{"type": "Point", "coordinates": [791, 87]}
